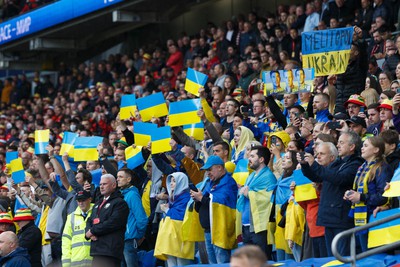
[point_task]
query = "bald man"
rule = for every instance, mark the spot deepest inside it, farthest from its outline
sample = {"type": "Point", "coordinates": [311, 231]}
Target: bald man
{"type": "Point", "coordinates": [11, 253]}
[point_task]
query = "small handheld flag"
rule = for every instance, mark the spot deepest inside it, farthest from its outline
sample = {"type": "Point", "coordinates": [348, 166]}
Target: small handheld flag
{"type": "Point", "coordinates": [134, 156]}
{"type": "Point", "coordinates": [184, 112]}
{"type": "Point", "coordinates": [86, 148]}
{"type": "Point", "coordinates": [142, 132]}
{"type": "Point", "coordinates": [67, 144]}
{"type": "Point", "coordinates": [304, 189]}
{"type": "Point", "coordinates": [152, 106]}
{"type": "Point", "coordinates": [17, 171]}
{"type": "Point", "coordinates": [195, 130]}
{"type": "Point", "coordinates": [128, 107]}
{"type": "Point", "coordinates": [160, 138]}
{"type": "Point", "coordinates": [41, 141]}
{"type": "Point", "coordinates": [194, 81]}
{"type": "Point", "coordinates": [11, 156]}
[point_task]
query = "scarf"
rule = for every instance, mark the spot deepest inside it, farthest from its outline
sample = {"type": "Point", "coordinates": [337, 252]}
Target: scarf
{"type": "Point", "coordinates": [359, 210]}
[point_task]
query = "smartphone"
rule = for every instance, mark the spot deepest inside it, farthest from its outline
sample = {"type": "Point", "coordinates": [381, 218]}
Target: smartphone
{"type": "Point", "coordinates": [273, 140]}
{"type": "Point", "coordinates": [362, 109]}
{"type": "Point", "coordinates": [297, 135]}
{"type": "Point", "coordinates": [349, 193]}
{"type": "Point", "coordinates": [333, 125]}
{"type": "Point", "coordinates": [259, 81]}
{"type": "Point", "coordinates": [244, 109]}
{"type": "Point", "coordinates": [398, 90]}
{"type": "Point", "coordinates": [302, 155]}
{"type": "Point", "coordinates": [193, 187]}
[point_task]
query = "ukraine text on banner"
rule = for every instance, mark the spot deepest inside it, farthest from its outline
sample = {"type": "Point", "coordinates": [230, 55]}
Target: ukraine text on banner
{"type": "Point", "coordinates": [128, 107]}
{"type": "Point", "coordinates": [304, 189]}
{"type": "Point", "coordinates": [184, 112]}
{"type": "Point", "coordinates": [194, 81]}
{"type": "Point", "coordinates": [134, 156]}
{"type": "Point", "coordinates": [384, 233]}
{"type": "Point", "coordinates": [160, 138]}
{"type": "Point", "coordinates": [86, 148]}
{"type": "Point", "coordinates": [327, 51]}
{"type": "Point", "coordinates": [195, 130]}
{"type": "Point", "coordinates": [241, 171]}
{"type": "Point", "coordinates": [394, 189]}
{"type": "Point", "coordinates": [142, 132]}
{"type": "Point", "coordinates": [17, 170]}
{"type": "Point", "coordinates": [152, 106]}
{"type": "Point", "coordinates": [41, 141]}
{"type": "Point", "coordinates": [67, 144]}
{"type": "Point", "coordinates": [11, 156]}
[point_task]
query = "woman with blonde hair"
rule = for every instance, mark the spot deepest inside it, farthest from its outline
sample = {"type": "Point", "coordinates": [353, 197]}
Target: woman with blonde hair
{"type": "Point", "coordinates": [331, 91]}
{"type": "Point", "coordinates": [370, 96]}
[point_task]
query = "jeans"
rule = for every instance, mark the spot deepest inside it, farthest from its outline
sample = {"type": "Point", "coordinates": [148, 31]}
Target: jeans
{"type": "Point", "coordinates": [343, 246]}
{"type": "Point", "coordinates": [216, 255]}
{"type": "Point", "coordinates": [174, 261]}
{"type": "Point", "coordinates": [319, 247]}
{"type": "Point", "coordinates": [281, 255]}
{"type": "Point", "coordinates": [130, 254]}
{"type": "Point", "coordinates": [296, 250]}
{"type": "Point", "coordinates": [363, 240]}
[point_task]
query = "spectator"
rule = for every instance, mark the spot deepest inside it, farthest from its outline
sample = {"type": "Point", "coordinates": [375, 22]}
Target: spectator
{"type": "Point", "coordinates": [10, 251]}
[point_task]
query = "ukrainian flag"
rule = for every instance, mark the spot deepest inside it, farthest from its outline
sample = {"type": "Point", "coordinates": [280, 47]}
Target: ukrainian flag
{"type": "Point", "coordinates": [241, 171]}
{"type": "Point", "coordinates": [134, 156]}
{"type": "Point", "coordinates": [41, 141]}
{"type": "Point", "coordinates": [327, 51]}
{"type": "Point", "coordinates": [195, 130]}
{"type": "Point", "coordinates": [128, 107]}
{"type": "Point", "coordinates": [207, 110]}
{"type": "Point", "coordinates": [11, 156]}
{"type": "Point", "coordinates": [152, 106]}
{"type": "Point", "coordinates": [194, 81]}
{"type": "Point", "coordinates": [394, 189]}
{"type": "Point", "coordinates": [385, 233]}
{"type": "Point", "coordinates": [304, 189]}
{"type": "Point", "coordinates": [96, 176]}
{"type": "Point", "coordinates": [142, 132]}
{"type": "Point", "coordinates": [17, 171]}
{"type": "Point", "coordinates": [160, 138]}
{"type": "Point", "coordinates": [86, 148]}
{"type": "Point", "coordinates": [184, 112]}
{"type": "Point", "coordinates": [67, 144]}
{"type": "Point", "coordinates": [223, 213]}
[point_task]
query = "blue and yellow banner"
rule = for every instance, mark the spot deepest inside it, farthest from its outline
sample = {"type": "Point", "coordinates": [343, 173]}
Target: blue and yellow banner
{"type": "Point", "coordinates": [17, 170]}
{"type": "Point", "coordinates": [134, 156]}
{"type": "Point", "coordinates": [160, 138]}
{"type": "Point", "coordinates": [194, 81]}
{"type": "Point", "coordinates": [304, 189]}
{"type": "Point", "coordinates": [86, 148]}
{"type": "Point", "coordinates": [142, 132]}
{"type": "Point", "coordinates": [11, 156]}
{"type": "Point", "coordinates": [128, 107]}
{"type": "Point", "coordinates": [41, 141]}
{"type": "Point", "coordinates": [67, 144]}
{"type": "Point", "coordinates": [386, 233]}
{"type": "Point", "coordinates": [394, 189]}
{"type": "Point", "coordinates": [184, 112]}
{"type": "Point", "coordinates": [195, 130]}
{"type": "Point", "coordinates": [152, 106]}
{"type": "Point", "coordinates": [327, 51]}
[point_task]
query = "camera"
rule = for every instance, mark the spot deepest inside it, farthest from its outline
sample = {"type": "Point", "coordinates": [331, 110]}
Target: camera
{"type": "Point", "coordinates": [302, 155]}
{"type": "Point", "coordinates": [333, 125]}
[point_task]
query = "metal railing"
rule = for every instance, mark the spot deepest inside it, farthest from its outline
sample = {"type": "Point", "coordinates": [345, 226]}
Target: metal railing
{"type": "Point", "coordinates": [351, 232]}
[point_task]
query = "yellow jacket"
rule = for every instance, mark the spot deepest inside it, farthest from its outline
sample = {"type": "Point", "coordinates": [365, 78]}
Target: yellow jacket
{"type": "Point", "coordinates": [75, 248]}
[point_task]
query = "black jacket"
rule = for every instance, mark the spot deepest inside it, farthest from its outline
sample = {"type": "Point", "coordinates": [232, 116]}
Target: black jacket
{"type": "Point", "coordinates": [30, 237]}
{"type": "Point", "coordinates": [336, 178]}
{"type": "Point", "coordinates": [393, 160]}
{"type": "Point", "coordinates": [110, 230]}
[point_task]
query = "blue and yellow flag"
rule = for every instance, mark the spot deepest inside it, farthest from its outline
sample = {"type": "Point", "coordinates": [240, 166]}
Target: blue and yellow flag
{"type": "Point", "coordinates": [11, 156]}
{"type": "Point", "coordinates": [134, 156]}
{"type": "Point", "coordinates": [304, 189]}
{"type": "Point", "coordinates": [41, 141]}
{"type": "Point", "coordinates": [152, 106]}
{"type": "Point", "coordinates": [86, 148]}
{"type": "Point", "coordinates": [160, 138]}
{"type": "Point", "coordinates": [241, 171]}
{"type": "Point", "coordinates": [17, 170]}
{"type": "Point", "coordinates": [142, 132]}
{"type": "Point", "coordinates": [195, 130]}
{"type": "Point", "coordinates": [394, 189]}
{"type": "Point", "coordinates": [386, 233]}
{"type": "Point", "coordinates": [184, 112]}
{"type": "Point", "coordinates": [327, 51]}
{"type": "Point", "coordinates": [128, 107]}
{"type": "Point", "coordinates": [67, 144]}
{"type": "Point", "coordinates": [194, 81]}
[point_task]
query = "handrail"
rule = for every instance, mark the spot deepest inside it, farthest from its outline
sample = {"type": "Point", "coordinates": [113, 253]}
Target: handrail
{"type": "Point", "coordinates": [353, 256]}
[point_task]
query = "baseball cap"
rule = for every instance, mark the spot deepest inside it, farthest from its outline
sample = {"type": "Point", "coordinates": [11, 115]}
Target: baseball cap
{"type": "Point", "coordinates": [83, 195]}
{"type": "Point", "coordinates": [357, 120]}
{"type": "Point", "coordinates": [212, 160]}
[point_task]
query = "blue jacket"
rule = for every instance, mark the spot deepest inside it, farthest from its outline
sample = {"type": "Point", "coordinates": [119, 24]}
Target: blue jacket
{"type": "Point", "coordinates": [17, 258]}
{"type": "Point", "coordinates": [337, 177]}
{"type": "Point", "coordinates": [322, 116]}
{"type": "Point", "coordinates": [137, 219]}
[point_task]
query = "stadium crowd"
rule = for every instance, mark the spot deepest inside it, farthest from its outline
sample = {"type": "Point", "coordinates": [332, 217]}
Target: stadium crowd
{"type": "Point", "coordinates": [343, 136]}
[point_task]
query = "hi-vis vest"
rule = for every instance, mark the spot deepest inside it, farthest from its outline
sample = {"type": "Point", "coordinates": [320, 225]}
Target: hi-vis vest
{"type": "Point", "coordinates": [75, 248]}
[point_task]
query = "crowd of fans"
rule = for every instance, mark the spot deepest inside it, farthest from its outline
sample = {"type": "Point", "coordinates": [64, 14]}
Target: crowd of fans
{"type": "Point", "coordinates": [343, 136]}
